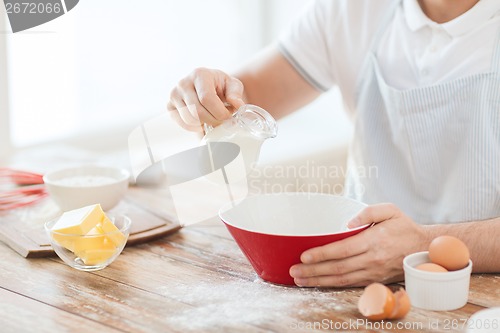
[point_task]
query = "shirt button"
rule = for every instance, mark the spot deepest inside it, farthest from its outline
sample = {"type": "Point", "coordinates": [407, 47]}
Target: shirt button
{"type": "Point", "coordinates": [433, 49]}
{"type": "Point", "coordinates": [425, 72]}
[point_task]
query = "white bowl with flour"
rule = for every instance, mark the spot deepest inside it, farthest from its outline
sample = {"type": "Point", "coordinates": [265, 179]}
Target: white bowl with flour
{"type": "Point", "coordinates": [73, 188]}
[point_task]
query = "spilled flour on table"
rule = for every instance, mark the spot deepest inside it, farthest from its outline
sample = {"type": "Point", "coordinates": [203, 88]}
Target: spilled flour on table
{"type": "Point", "coordinates": [235, 303]}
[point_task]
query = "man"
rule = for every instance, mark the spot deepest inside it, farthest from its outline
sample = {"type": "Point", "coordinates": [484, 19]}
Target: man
{"type": "Point", "coordinates": [422, 81]}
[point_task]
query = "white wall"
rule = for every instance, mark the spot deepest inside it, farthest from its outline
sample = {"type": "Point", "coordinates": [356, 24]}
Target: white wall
{"type": "Point", "coordinates": [319, 128]}
{"type": "Point", "coordinates": [109, 64]}
{"type": "Point", "coordinates": [4, 97]}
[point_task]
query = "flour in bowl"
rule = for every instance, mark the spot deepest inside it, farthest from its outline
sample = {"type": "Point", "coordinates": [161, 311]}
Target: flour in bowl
{"type": "Point", "coordinates": [85, 181]}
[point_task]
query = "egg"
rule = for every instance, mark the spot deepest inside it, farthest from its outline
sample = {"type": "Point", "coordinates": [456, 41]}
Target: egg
{"type": "Point", "coordinates": [449, 252]}
{"type": "Point", "coordinates": [378, 303]}
{"type": "Point", "coordinates": [402, 304]}
{"type": "Point", "coordinates": [431, 267]}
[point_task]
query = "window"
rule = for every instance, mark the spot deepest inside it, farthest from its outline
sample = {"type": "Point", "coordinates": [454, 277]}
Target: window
{"type": "Point", "coordinates": [4, 116]}
{"type": "Point", "coordinates": [110, 65]}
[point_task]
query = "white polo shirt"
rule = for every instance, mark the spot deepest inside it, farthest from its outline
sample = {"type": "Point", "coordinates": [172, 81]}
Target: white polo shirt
{"type": "Point", "coordinates": [330, 42]}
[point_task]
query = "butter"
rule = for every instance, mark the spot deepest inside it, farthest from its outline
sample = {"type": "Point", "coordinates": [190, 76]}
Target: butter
{"type": "Point", "coordinates": [88, 233]}
{"type": "Point", "coordinates": [113, 233]}
{"type": "Point", "coordinates": [65, 241]}
{"type": "Point", "coordinates": [79, 243]}
{"type": "Point", "coordinates": [99, 241]}
{"type": "Point", "coordinates": [79, 221]}
{"type": "Point", "coordinates": [95, 256]}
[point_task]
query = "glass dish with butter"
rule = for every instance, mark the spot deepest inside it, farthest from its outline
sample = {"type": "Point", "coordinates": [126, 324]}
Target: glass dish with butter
{"type": "Point", "coordinates": [87, 239]}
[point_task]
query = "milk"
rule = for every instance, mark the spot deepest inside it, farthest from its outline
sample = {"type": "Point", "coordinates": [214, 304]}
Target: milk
{"type": "Point", "coordinates": [249, 144]}
{"type": "Point", "coordinates": [248, 128]}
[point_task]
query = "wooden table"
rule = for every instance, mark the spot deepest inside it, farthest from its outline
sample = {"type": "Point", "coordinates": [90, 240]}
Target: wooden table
{"type": "Point", "coordinates": [194, 280]}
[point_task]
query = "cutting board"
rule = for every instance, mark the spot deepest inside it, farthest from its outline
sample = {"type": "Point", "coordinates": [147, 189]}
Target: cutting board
{"type": "Point", "coordinates": [150, 210]}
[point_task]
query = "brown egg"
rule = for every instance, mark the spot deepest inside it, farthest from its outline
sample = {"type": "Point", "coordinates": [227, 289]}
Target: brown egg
{"type": "Point", "coordinates": [431, 267]}
{"type": "Point", "coordinates": [376, 302]}
{"type": "Point", "coordinates": [449, 252]}
{"type": "Point", "coordinates": [401, 305]}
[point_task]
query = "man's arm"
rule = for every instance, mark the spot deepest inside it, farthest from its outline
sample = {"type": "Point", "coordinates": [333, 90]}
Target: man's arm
{"type": "Point", "coordinates": [268, 81]}
{"type": "Point", "coordinates": [272, 83]}
{"type": "Point", "coordinates": [481, 237]}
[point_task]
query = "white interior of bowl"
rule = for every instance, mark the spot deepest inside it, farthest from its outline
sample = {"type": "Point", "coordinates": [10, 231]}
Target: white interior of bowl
{"type": "Point", "coordinates": [292, 214]}
{"type": "Point", "coordinates": [117, 174]}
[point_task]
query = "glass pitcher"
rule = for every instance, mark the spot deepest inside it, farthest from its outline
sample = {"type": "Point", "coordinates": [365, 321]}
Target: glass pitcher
{"type": "Point", "coordinates": [249, 127]}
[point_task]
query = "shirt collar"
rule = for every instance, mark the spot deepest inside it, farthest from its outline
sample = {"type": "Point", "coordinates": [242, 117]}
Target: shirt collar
{"type": "Point", "coordinates": [480, 13]}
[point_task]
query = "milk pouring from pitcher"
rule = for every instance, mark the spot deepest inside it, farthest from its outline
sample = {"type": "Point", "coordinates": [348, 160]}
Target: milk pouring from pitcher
{"type": "Point", "coordinates": [249, 127]}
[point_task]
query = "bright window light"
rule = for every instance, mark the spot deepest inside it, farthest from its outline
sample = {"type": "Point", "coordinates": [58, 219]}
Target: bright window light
{"type": "Point", "coordinates": [112, 63]}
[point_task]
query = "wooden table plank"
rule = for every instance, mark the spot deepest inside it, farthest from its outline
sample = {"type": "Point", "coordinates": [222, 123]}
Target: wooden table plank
{"type": "Point", "coordinates": [221, 299]}
{"type": "Point", "coordinates": [86, 294]}
{"type": "Point", "coordinates": [22, 314]}
{"type": "Point", "coordinates": [110, 297]}
{"type": "Point", "coordinates": [485, 290]}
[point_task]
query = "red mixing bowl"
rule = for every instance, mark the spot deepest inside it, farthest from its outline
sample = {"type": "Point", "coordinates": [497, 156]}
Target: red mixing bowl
{"type": "Point", "coordinates": [273, 230]}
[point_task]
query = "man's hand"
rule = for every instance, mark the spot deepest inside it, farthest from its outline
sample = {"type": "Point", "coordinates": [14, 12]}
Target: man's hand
{"type": "Point", "coordinates": [374, 255]}
{"type": "Point", "coordinates": [206, 96]}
